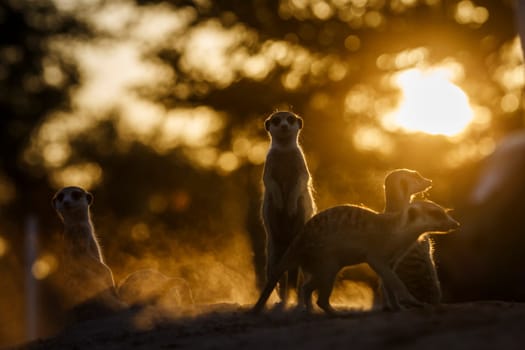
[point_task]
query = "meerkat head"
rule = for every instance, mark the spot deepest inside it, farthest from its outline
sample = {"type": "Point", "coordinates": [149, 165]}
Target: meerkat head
{"type": "Point", "coordinates": [407, 181]}
{"type": "Point", "coordinates": [283, 126]}
{"type": "Point", "coordinates": [72, 203]}
{"type": "Point", "coordinates": [427, 216]}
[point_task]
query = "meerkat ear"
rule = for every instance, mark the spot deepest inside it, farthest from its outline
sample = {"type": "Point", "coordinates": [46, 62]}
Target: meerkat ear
{"type": "Point", "coordinates": [267, 124]}
{"type": "Point", "coordinates": [89, 198]}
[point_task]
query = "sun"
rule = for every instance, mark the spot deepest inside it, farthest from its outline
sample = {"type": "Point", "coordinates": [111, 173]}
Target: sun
{"type": "Point", "coordinates": [431, 103]}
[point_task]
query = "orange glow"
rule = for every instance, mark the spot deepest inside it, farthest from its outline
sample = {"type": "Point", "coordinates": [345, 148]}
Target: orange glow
{"type": "Point", "coordinates": [470, 151]}
{"type": "Point", "coordinates": [228, 162]}
{"type": "Point", "coordinates": [510, 73]}
{"type": "Point", "coordinates": [180, 201]}
{"type": "Point", "coordinates": [371, 139]}
{"type": "Point", "coordinates": [431, 103]}
{"type": "Point", "coordinates": [86, 175]}
{"type": "Point", "coordinates": [467, 12]}
{"type": "Point", "coordinates": [44, 266]}
{"type": "Point", "coordinates": [3, 246]}
{"type": "Point", "coordinates": [7, 193]}
{"type": "Point", "coordinates": [140, 232]}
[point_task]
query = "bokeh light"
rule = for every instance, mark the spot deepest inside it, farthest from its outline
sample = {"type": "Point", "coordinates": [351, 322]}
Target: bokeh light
{"type": "Point", "coordinates": [430, 103]}
{"type": "Point", "coordinates": [44, 266]}
{"type": "Point", "coordinates": [468, 13]}
{"type": "Point", "coordinates": [85, 175]}
{"type": "Point", "coordinates": [372, 139]}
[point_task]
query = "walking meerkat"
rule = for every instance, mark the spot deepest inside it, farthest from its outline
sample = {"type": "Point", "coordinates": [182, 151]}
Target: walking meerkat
{"type": "Point", "coordinates": [87, 275]}
{"type": "Point", "coordinates": [348, 235]}
{"type": "Point", "coordinates": [288, 200]}
{"type": "Point", "coordinates": [417, 268]}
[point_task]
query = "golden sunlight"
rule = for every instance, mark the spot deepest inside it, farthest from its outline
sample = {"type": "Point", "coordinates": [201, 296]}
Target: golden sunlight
{"type": "Point", "coordinates": [431, 103]}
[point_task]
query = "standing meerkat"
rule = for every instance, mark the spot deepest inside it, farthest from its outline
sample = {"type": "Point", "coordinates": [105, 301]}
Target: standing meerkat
{"type": "Point", "coordinates": [348, 235]}
{"type": "Point", "coordinates": [400, 186]}
{"type": "Point", "coordinates": [417, 268]}
{"type": "Point", "coordinates": [87, 275]}
{"type": "Point", "coordinates": [288, 200]}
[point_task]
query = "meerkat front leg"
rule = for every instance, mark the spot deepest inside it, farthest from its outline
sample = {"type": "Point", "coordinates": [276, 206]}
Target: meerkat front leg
{"type": "Point", "coordinates": [396, 291]}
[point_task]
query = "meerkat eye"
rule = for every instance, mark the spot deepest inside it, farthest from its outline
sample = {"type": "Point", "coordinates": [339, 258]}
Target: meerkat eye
{"type": "Point", "coordinates": [76, 195]}
{"type": "Point", "coordinates": [276, 121]}
{"type": "Point", "coordinates": [290, 119]}
{"type": "Point", "coordinates": [60, 197]}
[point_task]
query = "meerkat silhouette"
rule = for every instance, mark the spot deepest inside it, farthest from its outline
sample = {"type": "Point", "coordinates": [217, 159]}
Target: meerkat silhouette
{"type": "Point", "coordinates": [87, 275]}
{"type": "Point", "coordinates": [417, 268]}
{"type": "Point", "coordinates": [287, 201]}
{"type": "Point", "coordinates": [348, 235]}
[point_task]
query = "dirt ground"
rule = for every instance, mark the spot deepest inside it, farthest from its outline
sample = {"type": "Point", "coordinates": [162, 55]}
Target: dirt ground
{"type": "Point", "coordinates": [477, 325]}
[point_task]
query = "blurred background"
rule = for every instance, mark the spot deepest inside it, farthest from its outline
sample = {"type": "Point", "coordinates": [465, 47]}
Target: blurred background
{"type": "Point", "coordinates": [157, 108]}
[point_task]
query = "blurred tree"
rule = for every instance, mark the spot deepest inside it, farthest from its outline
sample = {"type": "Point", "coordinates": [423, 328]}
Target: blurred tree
{"type": "Point", "coordinates": [32, 83]}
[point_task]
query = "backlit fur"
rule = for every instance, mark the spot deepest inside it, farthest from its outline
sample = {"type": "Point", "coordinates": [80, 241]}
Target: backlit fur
{"type": "Point", "coordinates": [288, 200]}
{"type": "Point", "coordinates": [86, 274]}
{"type": "Point", "coordinates": [348, 235]}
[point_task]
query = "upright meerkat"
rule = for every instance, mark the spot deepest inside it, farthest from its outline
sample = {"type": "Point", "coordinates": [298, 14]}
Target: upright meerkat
{"type": "Point", "coordinates": [400, 186]}
{"type": "Point", "coordinates": [288, 201]}
{"type": "Point", "coordinates": [348, 235]}
{"type": "Point", "coordinates": [417, 268]}
{"type": "Point", "coordinates": [87, 275]}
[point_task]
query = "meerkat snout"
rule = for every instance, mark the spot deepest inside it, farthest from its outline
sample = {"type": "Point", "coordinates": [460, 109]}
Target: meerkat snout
{"type": "Point", "coordinates": [432, 215]}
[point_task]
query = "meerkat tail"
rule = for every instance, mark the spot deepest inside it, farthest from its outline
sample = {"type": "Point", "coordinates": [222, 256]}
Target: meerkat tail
{"type": "Point", "coordinates": [287, 262]}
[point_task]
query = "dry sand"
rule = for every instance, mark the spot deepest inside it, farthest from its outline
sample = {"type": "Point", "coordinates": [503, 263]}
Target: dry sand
{"type": "Point", "coordinates": [476, 325]}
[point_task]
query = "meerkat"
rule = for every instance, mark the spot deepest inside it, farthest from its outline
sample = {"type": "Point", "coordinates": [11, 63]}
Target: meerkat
{"type": "Point", "coordinates": [400, 186]}
{"type": "Point", "coordinates": [417, 268]}
{"type": "Point", "coordinates": [149, 286]}
{"type": "Point", "coordinates": [347, 235]}
{"type": "Point", "coordinates": [288, 193]}
{"type": "Point", "coordinates": [87, 275]}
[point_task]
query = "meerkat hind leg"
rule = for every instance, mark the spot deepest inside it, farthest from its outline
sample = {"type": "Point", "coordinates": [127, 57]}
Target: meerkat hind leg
{"type": "Point", "coordinates": [282, 290]}
{"type": "Point", "coordinates": [305, 295]}
{"type": "Point", "coordinates": [326, 284]}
